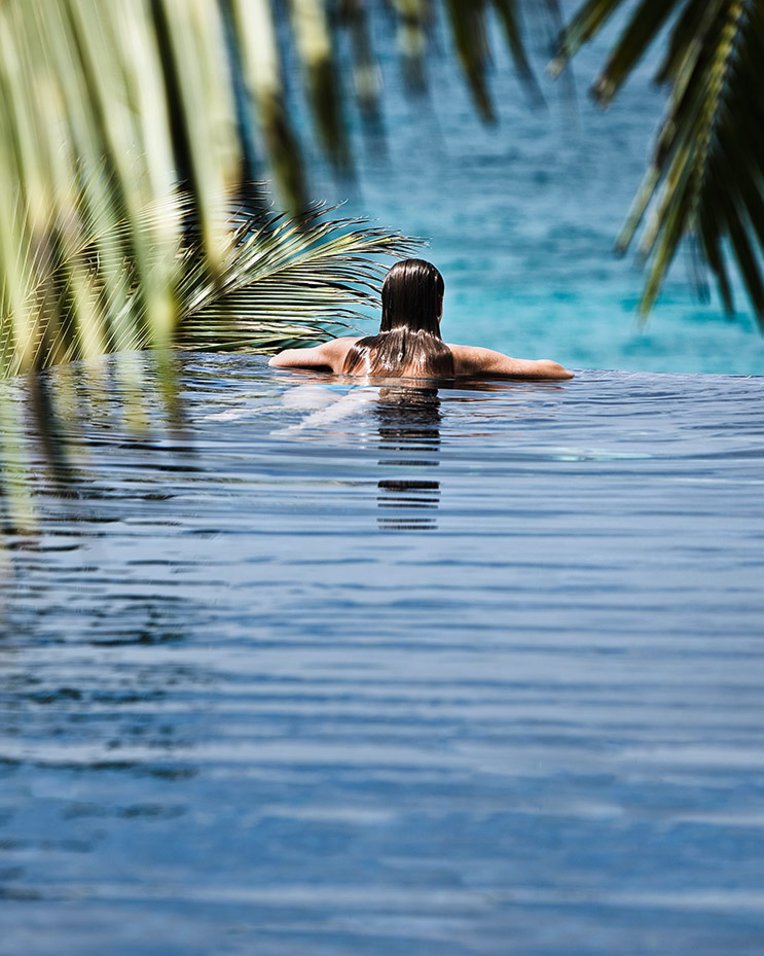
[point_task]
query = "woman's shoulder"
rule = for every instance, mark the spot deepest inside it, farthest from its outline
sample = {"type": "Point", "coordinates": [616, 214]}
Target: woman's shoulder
{"type": "Point", "coordinates": [337, 349]}
{"type": "Point", "coordinates": [343, 342]}
{"type": "Point", "coordinates": [329, 356]}
{"type": "Point", "coordinates": [340, 346]}
{"type": "Point", "coordinates": [468, 359]}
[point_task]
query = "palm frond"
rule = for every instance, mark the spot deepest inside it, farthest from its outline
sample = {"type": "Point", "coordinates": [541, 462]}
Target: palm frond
{"type": "Point", "coordinates": [367, 77]}
{"type": "Point", "coordinates": [467, 20]}
{"type": "Point", "coordinates": [286, 278]}
{"type": "Point", "coordinates": [706, 177]}
{"type": "Point", "coordinates": [413, 24]}
{"type": "Point", "coordinates": [295, 273]}
{"type": "Point", "coordinates": [509, 15]}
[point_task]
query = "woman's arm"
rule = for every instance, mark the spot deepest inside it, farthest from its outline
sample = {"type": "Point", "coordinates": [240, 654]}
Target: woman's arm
{"type": "Point", "coordinates": [328, 357]}
{"type": "Point", "coordinates": [471, 360]}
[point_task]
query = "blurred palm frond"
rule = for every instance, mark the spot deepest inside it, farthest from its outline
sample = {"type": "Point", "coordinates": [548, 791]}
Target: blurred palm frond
{"type": "Point", "coordinates": [706, 177]}
{"type": "Point", "coordinates": [92, 140]}
{"type": "Point", "coordinates": [130, 128]}
{"type": "Point", "coordinates": [327, 41]}
{"type": "Point", "coordinates": [280, 274]}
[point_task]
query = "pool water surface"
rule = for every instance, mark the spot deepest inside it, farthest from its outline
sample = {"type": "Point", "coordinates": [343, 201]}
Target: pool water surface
{"type": "Point", "coordinates": [338, 669]}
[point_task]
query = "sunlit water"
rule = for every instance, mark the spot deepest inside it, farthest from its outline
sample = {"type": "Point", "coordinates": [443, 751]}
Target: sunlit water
{"type": "Point", "coordinates": [339, 670]}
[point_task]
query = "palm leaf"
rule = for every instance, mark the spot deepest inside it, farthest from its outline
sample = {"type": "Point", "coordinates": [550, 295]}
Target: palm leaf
{"type": "Point", "coordinates": [706, 176]}
{"type": "Point", "coordinates": [286, 278]}
{"type": "Point", "coordinates": [301, 275]}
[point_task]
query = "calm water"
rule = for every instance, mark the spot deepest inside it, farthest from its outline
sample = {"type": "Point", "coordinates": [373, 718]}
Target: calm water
{"type": "Point", "coordinates": [341, 670]}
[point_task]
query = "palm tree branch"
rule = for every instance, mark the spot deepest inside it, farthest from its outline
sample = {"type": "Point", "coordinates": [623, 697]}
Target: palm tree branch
{"type": "Point", "coordinates": [314, 274]}
{"type": "Point", "coordinates": [706, 173]}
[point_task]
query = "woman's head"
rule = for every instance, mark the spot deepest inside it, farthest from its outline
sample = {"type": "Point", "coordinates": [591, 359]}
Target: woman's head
{"type": "Point", "coordinates": [409, 343]}
{"type": "Point", "coordinates": [412, 297]}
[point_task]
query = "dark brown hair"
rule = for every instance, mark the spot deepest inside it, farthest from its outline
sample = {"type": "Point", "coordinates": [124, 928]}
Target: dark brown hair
{"type": "Point", "coordinates": [409, 341]}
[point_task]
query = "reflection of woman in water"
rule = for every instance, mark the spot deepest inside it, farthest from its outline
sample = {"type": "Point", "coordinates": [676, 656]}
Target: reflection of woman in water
{"type": "Point", "coordinates": [408, 424]}
{"type": "Point", "coordinates": [409, 343]}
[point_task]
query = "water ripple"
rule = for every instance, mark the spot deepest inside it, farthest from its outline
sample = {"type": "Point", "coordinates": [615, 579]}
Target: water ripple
{"type": "Point", "coordinates": [427, 672]}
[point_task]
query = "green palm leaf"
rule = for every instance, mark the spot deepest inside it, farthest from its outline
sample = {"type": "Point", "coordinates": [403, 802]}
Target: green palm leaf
{"type": "Point", "coordinates": [287, 278]}
{"type": "Point", "coordinates": [706, 176]}
{"type": "Point", "coordinates": [283, 279]}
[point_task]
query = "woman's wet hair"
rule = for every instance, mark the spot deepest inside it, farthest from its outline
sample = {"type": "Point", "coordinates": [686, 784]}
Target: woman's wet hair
{"type": "Point", "coordinates": [409, 342]}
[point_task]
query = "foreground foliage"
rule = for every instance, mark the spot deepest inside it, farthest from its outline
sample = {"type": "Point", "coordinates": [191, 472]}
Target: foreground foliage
{"type": "Point", "coordinates": [125, 203]}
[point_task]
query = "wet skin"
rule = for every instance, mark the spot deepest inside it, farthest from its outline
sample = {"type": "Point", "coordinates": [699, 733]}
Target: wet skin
{"type": "Point", "coordinates": [469, 361]}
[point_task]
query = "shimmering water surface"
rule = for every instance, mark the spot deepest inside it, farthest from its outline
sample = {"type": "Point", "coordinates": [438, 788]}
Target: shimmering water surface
{"type": "Point", "coordinates": [342, 670]}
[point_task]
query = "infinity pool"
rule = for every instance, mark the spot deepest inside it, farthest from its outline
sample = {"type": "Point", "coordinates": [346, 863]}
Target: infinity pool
{"type": "Point", "coordinates": [344, 670]}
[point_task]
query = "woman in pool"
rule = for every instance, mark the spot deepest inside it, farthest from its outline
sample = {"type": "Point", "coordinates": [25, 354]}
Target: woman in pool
{"type": "Point", "coordinates": [409, 343]}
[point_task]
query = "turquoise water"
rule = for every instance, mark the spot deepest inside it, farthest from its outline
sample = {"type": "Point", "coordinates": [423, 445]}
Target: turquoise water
{"type": "Point", "coordinates": [522, 219]}
{"type": "Point", "coordinates": [341, 670]}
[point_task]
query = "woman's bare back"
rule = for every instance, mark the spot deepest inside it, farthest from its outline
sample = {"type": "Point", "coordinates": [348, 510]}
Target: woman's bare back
{"type": "Point", "coordinates": [469, 362]}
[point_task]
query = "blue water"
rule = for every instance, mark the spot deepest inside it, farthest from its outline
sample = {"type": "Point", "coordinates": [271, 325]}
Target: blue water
{"type": "Point", "coordinates": [339, 670]}
{"type": "Point", "coordinates": [522, 219]}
